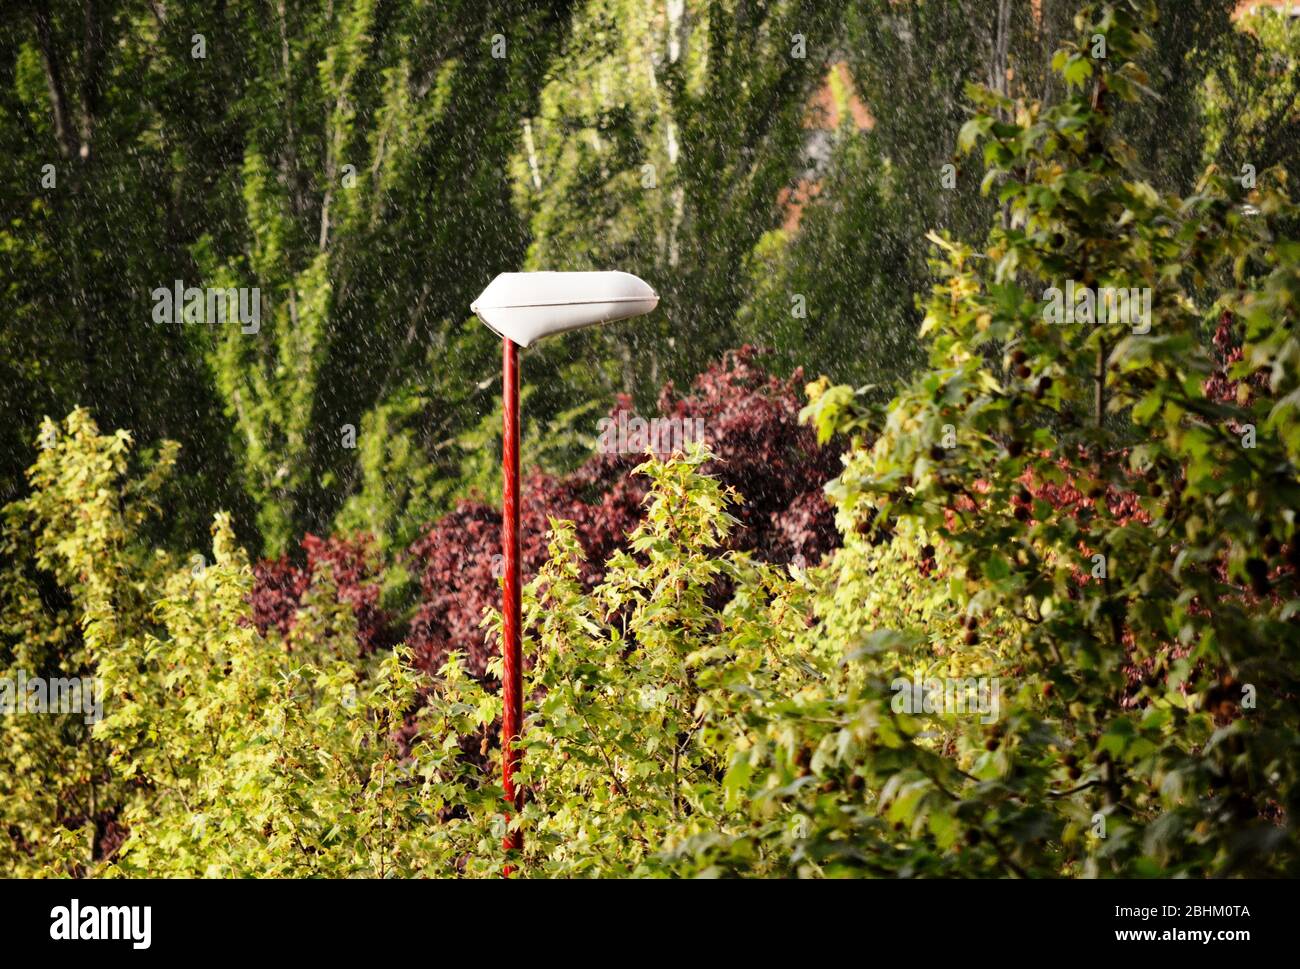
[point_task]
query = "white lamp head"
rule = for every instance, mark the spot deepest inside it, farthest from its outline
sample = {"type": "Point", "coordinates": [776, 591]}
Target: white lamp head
{"type": "Point", "coordinates": [525, 307]}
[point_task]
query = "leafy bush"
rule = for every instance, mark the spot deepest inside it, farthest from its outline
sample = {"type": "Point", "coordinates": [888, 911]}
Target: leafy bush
{"type": "Point", "coordinates": [671, 733]}
{"type": "Point", "coordinates": [74, 581]}
{"type": "Point", "coordinates": [751, 420]}
{"type": "Point", "coordinates": [1195, 771]}
{"type": "Point", "coordinates": [220, 753]}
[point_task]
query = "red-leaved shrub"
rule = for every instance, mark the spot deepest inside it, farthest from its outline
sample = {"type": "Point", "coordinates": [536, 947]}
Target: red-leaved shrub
{"type": "Point", "coordinates": [279, 585]}
{"type": "Point", "coordinates": [751, 425]}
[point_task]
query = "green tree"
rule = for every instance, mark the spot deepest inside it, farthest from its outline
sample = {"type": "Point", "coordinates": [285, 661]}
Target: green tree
{"type": "Point", "coordinates": [828, 296]}
{"type": "Point", "coordinates": [370, 236]}
{"type": "Point", "coordinates": [1184, 779]}
{"type": "Point", "coordinates": [1251, 98]}
{"type": "Point", "coordinates": [852, 266]}
{"type": "Point", "coordinates": [347, 161]}
{"type": "Point", "coordinates": [219, 753]}
{"type": "Point", "coordinates": [662, 149]}
{"type": "Point", "coordinates": [95, 209]}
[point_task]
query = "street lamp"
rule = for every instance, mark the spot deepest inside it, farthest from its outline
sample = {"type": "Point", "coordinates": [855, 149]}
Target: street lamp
{"type": "Point", "coordinates": [523, 308]}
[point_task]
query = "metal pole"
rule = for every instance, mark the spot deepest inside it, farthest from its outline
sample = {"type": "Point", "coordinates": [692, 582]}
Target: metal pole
{"type": "Point", "coordinates": [512, 719]}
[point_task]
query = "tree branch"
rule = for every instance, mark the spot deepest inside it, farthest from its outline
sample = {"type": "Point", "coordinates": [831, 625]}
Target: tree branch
{"type": "Point", "coordinates": [54, 79]}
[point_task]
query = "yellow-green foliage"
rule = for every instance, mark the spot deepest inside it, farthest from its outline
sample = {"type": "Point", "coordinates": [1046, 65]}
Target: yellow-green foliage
{"type": "Point", "coordinates": [221, 752]}
{"type": "Point", "coordinates": [659, 697]}
{"type": "Point", "coordinates": [74, 581]}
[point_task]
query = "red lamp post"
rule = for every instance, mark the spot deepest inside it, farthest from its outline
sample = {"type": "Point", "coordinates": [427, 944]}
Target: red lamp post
{"type": "Point", "coordinates": [512, 680]}
{"type": "Point", "coordinates": [524, 308]}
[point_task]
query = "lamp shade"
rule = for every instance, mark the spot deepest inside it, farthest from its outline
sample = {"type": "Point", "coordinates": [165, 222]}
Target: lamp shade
{"type": "Point", "coordinates": [525, 307]}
